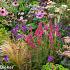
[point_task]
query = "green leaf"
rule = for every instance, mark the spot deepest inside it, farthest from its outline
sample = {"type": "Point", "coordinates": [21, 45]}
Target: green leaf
{"type": "Point", "coordinates": [33, 25]}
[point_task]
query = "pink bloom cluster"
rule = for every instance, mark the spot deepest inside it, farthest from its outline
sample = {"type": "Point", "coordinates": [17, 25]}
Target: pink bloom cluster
{"type": "Point", "coordinates": [51, 30]}
{"type": "Point", "coordinates": [3, 12]}
{"type": "Point", "coordinates": [39, 31]}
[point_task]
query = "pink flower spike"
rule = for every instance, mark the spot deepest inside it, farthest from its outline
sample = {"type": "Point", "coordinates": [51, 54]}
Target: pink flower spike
{"type": "Point", "coordinates": [51, 37]}
{"type": "Point", "coordinates": [30, 41]}
{"type": "Point", "coordinates": [39, 31]}
{"type": "Point", "coordinates": [51, 27]}
{"type": "Point", "coordinates": [57, 30]}
{"type": "Point", "coordinates": [45, 27]}
{"type": "Point", "coordinates": [3, 12]}
{"type": "Point", "coordinates": [28, 38]}
{"type": "Point", "coordinates": [15, 3]}
{"type": "Point", "coordinates": [32, 44]}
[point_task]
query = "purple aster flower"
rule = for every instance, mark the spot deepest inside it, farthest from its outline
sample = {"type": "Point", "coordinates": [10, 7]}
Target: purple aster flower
{"type": "Point", "coordinates": [6, 58]}
{"type": "Point", "coordinates": [40, 14]}
{"type": "Point", "coordinates": [16, 27]}
{"type": "Point", "coordinates": [24, 28]}
{"type": "Point", "coordinates": [15, 30]}
{"type": "Point", "coordinates": [50, 58]}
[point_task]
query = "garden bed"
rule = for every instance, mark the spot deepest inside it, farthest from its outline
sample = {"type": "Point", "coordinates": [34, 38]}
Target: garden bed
{"type": "Point", "coordinates": [34, 35]}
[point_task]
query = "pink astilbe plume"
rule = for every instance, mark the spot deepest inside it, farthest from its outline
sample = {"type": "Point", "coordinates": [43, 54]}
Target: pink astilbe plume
{"type": "Point", "coordinates": [50, 26]}
{"type": "Point", "coordinates": [45, 27]}
{"type": "Point", "coordinates": [29, 40]}
{"type": "Point", "coordinates": [28, 37]}
{"type": "Point", "coordinates": [51, 40]}
{"type": "Point", "coordinates": [39, 31]}
{"type": "Point", "coordinates": [39, 41]}
{"type": "Point", "coordinates": [50, 37]}
{"type": "Point", "coordinates": [57, 30]}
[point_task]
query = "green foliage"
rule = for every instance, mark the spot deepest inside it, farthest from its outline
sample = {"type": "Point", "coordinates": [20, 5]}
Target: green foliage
{"type": "Point", "coordinates": [3, 35]}
{"type": "Point", "coordinates": [33, 25]}
{"type": "Point", "coordinates": [60, 1]}
{"type": "Point", "coordinates": [66, 62]}
{"type": "Point", "coordinates": [21, 7]}
{"type": "Point", "coordinates": [39, 57]}
{"type": "Point", "coordinates": [34, 2]}
{"type": "Point", "coordinates": [50, 66]}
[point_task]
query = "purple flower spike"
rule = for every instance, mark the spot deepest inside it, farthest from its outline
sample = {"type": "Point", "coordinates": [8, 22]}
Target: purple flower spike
{"type": "Point", "coordinates": [50, 58]}
{"type": "Point", "coordinates": [24, 28]}
{"type": "Point", "coordinates": [15, 30]}
{"type": "Point", "coordinates": [19, 36]}
{"type": "Point", "coordinates": [6, 58]}
{"type": "Point", "coordinates": [17, 27]}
